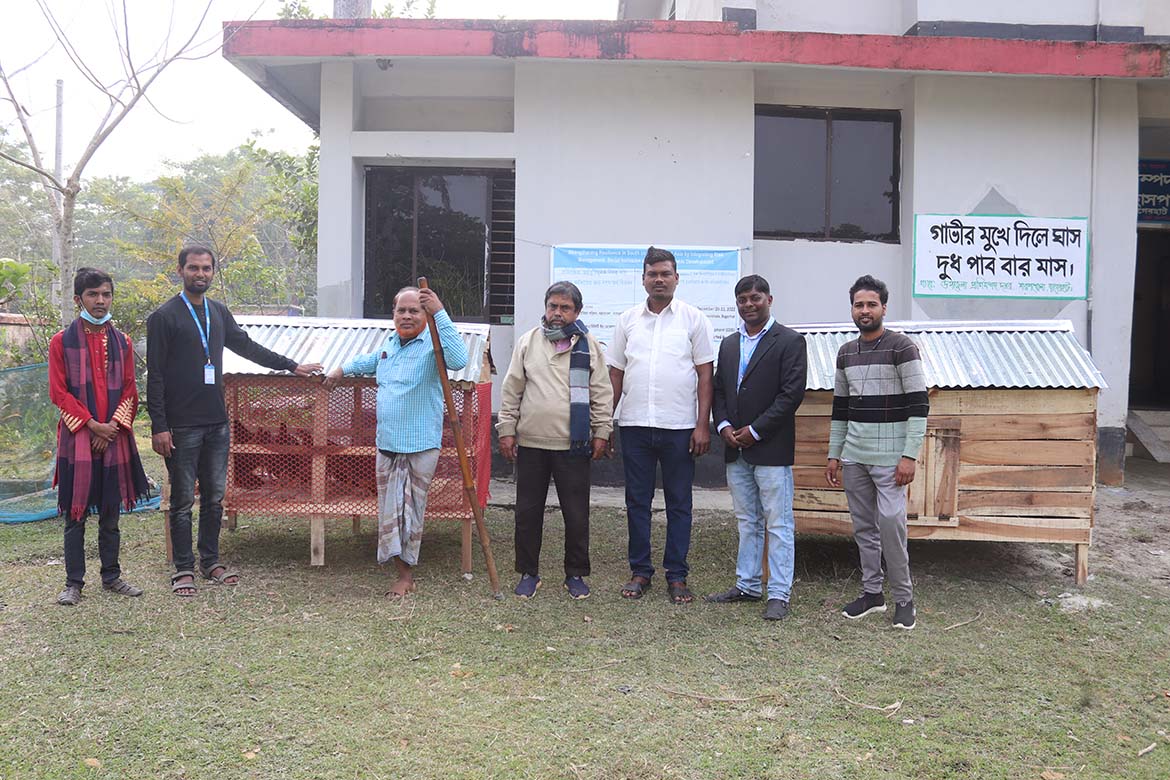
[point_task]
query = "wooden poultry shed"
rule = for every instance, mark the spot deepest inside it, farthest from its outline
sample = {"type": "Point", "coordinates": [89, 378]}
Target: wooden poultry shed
{"type": "Point", "coordinates": [299, 450]}
{"type": "Point", "coordinates": [1011, 441]}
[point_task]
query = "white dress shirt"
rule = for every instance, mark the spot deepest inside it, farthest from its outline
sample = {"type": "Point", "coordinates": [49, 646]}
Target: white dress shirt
{"type": "Point", "coordinates": [658, 353]}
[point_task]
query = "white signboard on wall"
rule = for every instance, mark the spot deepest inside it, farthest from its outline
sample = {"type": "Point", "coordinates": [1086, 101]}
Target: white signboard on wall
{"type": "Point", "coordinates": [976, 256]}
{"type": "Point", "coordinates": [610, 279]}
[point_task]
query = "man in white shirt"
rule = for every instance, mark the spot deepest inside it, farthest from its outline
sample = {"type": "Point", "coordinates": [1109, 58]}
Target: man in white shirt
{"type": "Point", "coordinates": [660, 364]}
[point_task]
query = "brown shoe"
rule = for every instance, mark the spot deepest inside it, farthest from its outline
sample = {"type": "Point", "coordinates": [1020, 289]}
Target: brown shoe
{"type": "Point", "coordinates": [70, 597]}
{"type": "Point", "coordinates": [122, 588]}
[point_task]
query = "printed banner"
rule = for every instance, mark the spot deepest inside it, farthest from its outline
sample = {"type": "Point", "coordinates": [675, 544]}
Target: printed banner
{"type": "Point", "coordinates": [974, 256]}
{"type": "Point", "coordinates": [610, 278]}
{"type": "Point", "coordinates": [1153, 190]}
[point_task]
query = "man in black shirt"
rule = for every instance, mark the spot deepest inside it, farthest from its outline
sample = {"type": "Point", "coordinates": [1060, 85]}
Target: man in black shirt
{"type": "Point", "coordinates": [185, 338]}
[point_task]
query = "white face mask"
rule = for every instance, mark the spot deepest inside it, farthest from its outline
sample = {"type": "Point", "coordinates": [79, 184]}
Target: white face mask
{"type": "Point", "coordinates": [85, 315]}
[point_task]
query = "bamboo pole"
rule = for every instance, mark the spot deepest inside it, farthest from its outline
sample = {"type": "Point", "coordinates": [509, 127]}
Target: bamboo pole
{"type": "Point", "coordinates": [464, 459]}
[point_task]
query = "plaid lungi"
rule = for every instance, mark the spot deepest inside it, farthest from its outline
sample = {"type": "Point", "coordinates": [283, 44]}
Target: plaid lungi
{"type": "Point", "coordinates": [402, 481]}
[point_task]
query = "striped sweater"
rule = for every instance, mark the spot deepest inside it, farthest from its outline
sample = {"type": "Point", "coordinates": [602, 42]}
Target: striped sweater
{"type": "Point", "coordinates": [879, 401]}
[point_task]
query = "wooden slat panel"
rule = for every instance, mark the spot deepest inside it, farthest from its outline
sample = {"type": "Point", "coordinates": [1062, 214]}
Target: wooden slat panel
{"type": "Point", "coordinates": [946, 472]}
{"type": "Point", "coordinates": [812, 454]}
{"type": "Point", "coordinates": [977, 427]}
{"type": "Point", "coordinates": [970, 528]}
{"type": "Point", "coordinates": [833, 523]}
{"type": "Point", "coordinates": [813, 429]}
{"type": "Point", "coordinates": [1002, 529]}
{"type": "Point", "coordinates": [817, 403]}
{"type": "Point", "coordinates": [810, 477]}
{"type": "Point", "coordinates": [994, 401]}
{"type": "Point", "coordinates": [1026, 503]}
{"type": "Point", "coordinates": [833, 500]}
{"type": "Point", "coordinates": [1029, 453]}
{"type": "Point", "coordinates": [1001, 427]}
{"type": "Point", "coordinates": [1067, 478]}
{"type": "Point", "coordinates": [1017, 402]}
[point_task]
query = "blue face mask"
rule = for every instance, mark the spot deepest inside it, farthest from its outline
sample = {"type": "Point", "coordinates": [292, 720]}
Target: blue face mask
{"type": "Point", "coordinates": [94, 320]}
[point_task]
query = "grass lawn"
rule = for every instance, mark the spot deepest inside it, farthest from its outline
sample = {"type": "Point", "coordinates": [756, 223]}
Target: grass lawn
{"type": "Point", "coordinates": [310, 673]}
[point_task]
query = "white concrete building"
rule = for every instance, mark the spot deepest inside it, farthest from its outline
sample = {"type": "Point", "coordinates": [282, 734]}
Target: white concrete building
{"type": "Point", "coordinates": [702, 131]}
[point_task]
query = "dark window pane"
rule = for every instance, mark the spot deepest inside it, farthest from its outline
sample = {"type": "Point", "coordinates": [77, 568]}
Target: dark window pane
{"type": "Point", "coordinates": [790, 175]}
{"type": "Point", "coordinates": [864, 186]}
{"type": "Point", "coordinates": [389, 216]}
{"type": "Point", "coordinates": [452, 248]}
{"type": "Point", "coordinates": [453, 240]}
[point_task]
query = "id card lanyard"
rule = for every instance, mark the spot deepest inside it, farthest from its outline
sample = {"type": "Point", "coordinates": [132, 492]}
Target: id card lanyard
{"type": "Point", "coordinates": [205, 337]}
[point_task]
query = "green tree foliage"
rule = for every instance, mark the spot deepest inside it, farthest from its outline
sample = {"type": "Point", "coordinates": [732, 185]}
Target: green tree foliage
{"type": "Point", "coordinates": [26, 226]}
{"type": "Point", "coordinates": [255, 208]}
{"type": "Point", "coordinates": [294, 9]}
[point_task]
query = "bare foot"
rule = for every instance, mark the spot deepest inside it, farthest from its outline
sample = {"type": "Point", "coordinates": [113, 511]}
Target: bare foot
{"type": "Point", "coordinates": [405, 583]}
{"type": "Point", "coordinates": [400, 588]}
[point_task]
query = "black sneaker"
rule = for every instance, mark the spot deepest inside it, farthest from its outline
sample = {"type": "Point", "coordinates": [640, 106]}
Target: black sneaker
{"type": "Point", "coordinates": [731, 596]}
{"type": "Point", "coordinates": [863, 605]}
{"type": "Point", "coordinates": [904, 615]}
{"type": "Point", "coordinates": [576, 587]}
{"type": "Point", "coordinates": [526, 588]}
{"type": "Point", "coordinates": [777, 609]}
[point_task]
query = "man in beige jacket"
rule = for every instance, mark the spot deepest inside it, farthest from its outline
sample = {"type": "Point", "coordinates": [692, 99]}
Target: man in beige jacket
{"type": "Point", "coordinates": [555, 418]}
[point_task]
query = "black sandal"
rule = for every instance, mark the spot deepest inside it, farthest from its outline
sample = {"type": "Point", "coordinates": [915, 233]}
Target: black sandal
{"type": "Point", "coordinates": [636, 587]}
{"type": "Point", "coordinates": [177, 586]}
{"type": "Point", "coordinates": [679, 593]}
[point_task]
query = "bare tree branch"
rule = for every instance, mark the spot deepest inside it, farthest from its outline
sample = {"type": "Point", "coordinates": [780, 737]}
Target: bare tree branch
{"type": "Point", "coordinates": [48, 180]}
{"type": "Point", "coordinates": [68, 47]}
{"type": "Point", "coordinates": [52, 181]}
{"type": "Point", "coordinates": [40, 57]}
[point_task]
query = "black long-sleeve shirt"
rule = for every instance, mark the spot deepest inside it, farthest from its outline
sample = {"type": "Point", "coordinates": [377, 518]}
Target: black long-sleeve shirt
{"type": "Point", "coordinates": [176, 395]}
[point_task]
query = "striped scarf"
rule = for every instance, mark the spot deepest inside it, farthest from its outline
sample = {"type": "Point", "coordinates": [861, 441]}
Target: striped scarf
{"type": "Point", "coordinates": [578, 383]}
{"type": "Point", "coordinates": [82, 482]}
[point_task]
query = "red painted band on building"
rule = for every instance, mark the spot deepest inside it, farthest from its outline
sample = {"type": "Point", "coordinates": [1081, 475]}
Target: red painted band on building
{"type": "Point", "coordinates": [693, 42]}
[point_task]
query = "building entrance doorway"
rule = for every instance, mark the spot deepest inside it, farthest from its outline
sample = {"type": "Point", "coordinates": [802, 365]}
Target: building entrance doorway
{"type": "Point", "coordinates": [1149, 373]}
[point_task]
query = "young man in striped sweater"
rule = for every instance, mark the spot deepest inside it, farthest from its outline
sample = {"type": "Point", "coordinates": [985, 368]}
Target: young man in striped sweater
{"type": "Point", "coordinates": [880, 407]}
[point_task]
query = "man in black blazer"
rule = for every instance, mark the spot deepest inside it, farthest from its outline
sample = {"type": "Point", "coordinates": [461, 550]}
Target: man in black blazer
{"type": "Point", "coordinates": [759, 383]}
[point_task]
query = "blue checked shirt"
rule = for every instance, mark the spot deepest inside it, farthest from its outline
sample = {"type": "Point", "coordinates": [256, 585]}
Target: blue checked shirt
{"type": "Point", "coordinates": [410, 395]}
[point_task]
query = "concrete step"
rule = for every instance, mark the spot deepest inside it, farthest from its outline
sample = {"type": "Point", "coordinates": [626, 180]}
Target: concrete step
{"type": "Point", "coordinates": [1154, 417]}
{"type": "Point", "coordinates": [1154, 439]}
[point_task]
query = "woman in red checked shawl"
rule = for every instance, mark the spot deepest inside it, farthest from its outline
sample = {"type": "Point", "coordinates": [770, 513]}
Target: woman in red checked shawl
{"type": "Point", "coordinates": [91, 380]}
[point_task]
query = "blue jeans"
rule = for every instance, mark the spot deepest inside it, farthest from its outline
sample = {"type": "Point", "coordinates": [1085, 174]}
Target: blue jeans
{"type": "Point", "coordinates": [642, 450]}
{"type": "Point", "coordinates": [762, 497]}
{"type": "Point", "coordinates": [200, 452]}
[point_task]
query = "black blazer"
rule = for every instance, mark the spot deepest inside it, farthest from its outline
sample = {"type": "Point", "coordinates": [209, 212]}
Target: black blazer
{"type": "Point", "coordinates": [773, 386]}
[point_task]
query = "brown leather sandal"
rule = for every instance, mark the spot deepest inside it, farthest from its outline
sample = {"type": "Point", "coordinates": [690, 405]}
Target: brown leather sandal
{"type": "Point", "coordinates": [679, 593]}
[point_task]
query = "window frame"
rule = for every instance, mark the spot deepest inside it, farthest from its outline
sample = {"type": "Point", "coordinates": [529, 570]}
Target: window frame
{"type": "Point", "coordinates": [417, 172]}
{"type": "Point", "coordinates": [890, 116]}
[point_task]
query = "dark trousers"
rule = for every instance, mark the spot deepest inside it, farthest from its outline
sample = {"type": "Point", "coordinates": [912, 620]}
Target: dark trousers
{"type": "Point", "coordinates": [534, 468]}
{"type": "Point", "coordinates": [201, 453]}
{"type": "Point", "coordinates": [109, 539]}
{"type": "Point", "coordinates": [642, 450]}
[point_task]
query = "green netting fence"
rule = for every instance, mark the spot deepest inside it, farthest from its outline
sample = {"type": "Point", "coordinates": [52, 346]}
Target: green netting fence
{"type": "Point", "coordinates": [28, 446]}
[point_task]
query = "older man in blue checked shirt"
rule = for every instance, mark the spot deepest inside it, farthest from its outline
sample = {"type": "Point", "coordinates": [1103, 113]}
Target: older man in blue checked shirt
{"type": "Point", "coordinates": [410, 423]}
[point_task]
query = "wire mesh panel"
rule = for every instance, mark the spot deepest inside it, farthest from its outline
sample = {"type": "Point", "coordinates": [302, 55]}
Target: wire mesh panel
{"type": "Point", "coordinates": [299, 449]}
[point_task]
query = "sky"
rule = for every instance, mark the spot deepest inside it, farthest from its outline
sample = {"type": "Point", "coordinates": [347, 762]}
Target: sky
{"type": "Point", "coordinates": [199, 106]}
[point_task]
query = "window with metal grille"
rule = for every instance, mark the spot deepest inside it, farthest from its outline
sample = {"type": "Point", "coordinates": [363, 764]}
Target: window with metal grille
{"type": "Point", "coordinates": [453, 226]}
{"type": "Point", "coordinates": [502, 269]}
{"type": "Point", "coordinates": [827, 173]}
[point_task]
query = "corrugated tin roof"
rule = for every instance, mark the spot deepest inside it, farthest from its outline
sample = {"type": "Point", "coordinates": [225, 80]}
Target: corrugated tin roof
{"type": "Point", "coordinates": [331, 341]}
{"type": "Point", "coordinates": [1020, 354]}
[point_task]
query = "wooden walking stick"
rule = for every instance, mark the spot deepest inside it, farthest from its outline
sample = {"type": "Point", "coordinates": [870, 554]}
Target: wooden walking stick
{"type": "Point", "coordinates": [464, 459]}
